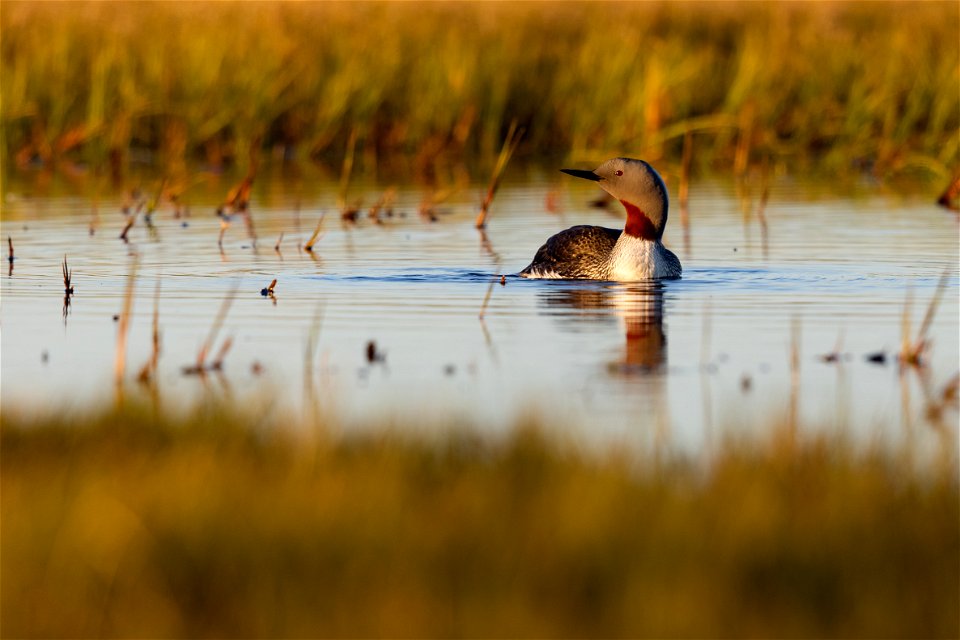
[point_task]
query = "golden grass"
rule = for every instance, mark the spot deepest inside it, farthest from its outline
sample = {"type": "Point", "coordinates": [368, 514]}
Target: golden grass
{"type": "Point", "coordinates": [224, 524]}
{"type": "Point", "coordinates": [851, 85]}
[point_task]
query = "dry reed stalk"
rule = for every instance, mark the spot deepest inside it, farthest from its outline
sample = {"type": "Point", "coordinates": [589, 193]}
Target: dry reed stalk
{"type": "Point", "coordinates": [383, 203]}
{"type": "Point", "coordinates": [296, 213]}
{"type": "Point", "coordinates": [705, 370]}
{"type": "Point", "coordinates": [427, 209]}
{"type": "Point", "coordinates": [248, 224]}
{"type": "Point", "coordinates": [510, 144]}
{"type": "Point", "coordinates": [911, 352]}
{"type": "Point", "coordinates": [950, 395]}
{"type": "Point", "coordinates": [224, 225]}
{"type": "Point", "coordinates": [134, 200]}
{"type": "Point", "coordinates": [346, 170]}
{"type": "Point", "coordinates": [10, 252]}
{"type": "Point", "coordinates": [837, 354]}
{"type": "Point", "coordinates": [126, 228]}
{"type": "Point", "coordinates": [67, 287]}
{"type": "Point", "coordinates": [745, 200]}
{"type": "Point", "coordinates": [951, 195]}
{"type": "Point", "coordinates": [684, 190]}
{"type": "Point", "coordinates": [155, 201]}
{"type": "Point", "coordinates": [95, 208]}
{"type": "Point", "coordinates": [686, 159]}
{"type": "Point", "coordinates": [794, 378]}
{"type": "Point", "coordinates": [123, 328]}
{"type": "Point", "coordinates": [238, 198]}
{"type": "Point", "coordinates": [200, 367]}
{"type": "Point", "coordinates": [217, 364]}
{"type": "Point", "coordinates": [934, 302]}
{"type": "Point", "coordinates": [276, 247]}
{"type": "Point", "coordinates": [308, 247]}
{"type": "Point", "coordinates": [905, 344]}
{"type": "Point", "coordinates": [350, 214]}
{"type": "Point", "coordinates": [761, 210]}
{"type": "Point", "coordinates": [741, 159]}
{"type": "Point", "coordinates": [309, 354]}
{"type": "Point", "coordinates": [67, 277]}
{"type": "Point", "coordinates": [705, 336]}
{"type": "Point", "coordinates": [148, 370]}
{"type": "Point", "coordinates": [155, 333]}
{"type": "Point", "coordinates": [486, 298]}
{"type": "Point", "coordinates": [94, 222]}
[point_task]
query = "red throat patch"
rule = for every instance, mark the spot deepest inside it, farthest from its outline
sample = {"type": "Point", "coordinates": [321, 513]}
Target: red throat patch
{"type": "Point", "coordinates": [638, 224]}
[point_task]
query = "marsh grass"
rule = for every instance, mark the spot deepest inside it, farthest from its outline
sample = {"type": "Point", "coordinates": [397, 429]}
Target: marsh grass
{"type": "Point", "coordinates": [225, 523]}
{"type": "Point", "coordinates": [850, 86]}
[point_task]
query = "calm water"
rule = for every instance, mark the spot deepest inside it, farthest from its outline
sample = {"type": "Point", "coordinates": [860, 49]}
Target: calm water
{"type": "Point", "coordinates": [683, 362]}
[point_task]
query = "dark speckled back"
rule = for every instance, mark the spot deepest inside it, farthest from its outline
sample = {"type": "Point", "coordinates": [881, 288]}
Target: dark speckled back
{"type": "Point", "coordinates": [578, 252]}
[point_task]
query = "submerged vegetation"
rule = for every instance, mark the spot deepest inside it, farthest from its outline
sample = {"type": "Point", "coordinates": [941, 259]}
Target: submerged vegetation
{"type": "Point", "coordinates": [849, 85]}
{"type": "Point", "coordinates": [221, 524]}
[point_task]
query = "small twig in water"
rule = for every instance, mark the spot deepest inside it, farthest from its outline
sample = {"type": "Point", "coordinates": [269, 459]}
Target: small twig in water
{"type": "Point", "coordinates": [509, 146]}
{"type": "Point", "coordinates": [238, 198]}
{"type": "Point", "coordinates": [374, 355]}
{"type": "Point", "coordinates": [200, 367]}
{"type": "Point", "coordinates": [217, 364]}
{"type": "Point", "coordinates": [67, 278]}
{"type": "Point", "coordinates": [350, 214]}
{"type": "Point", "coordinates": [382, 204]}
{"type": "Point", "coordinates": [308, 247]}
{"type": "Point", "coordinates": [911, 352]}
{"type": "Point", "coordinates": [126, 228]}
{"type": "Point", "coordinates": [836, 355]}
{"type": "Point", "coordinates": [224, 225]}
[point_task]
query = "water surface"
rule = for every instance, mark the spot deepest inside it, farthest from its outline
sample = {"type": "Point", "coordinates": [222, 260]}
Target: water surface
{"type": "Point", "coordinates": [681, 362]}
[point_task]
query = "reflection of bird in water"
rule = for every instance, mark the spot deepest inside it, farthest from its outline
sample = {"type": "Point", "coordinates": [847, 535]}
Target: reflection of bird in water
{"type": "Point", "coordinates": [639, 305]}
{"type": "Point", "coordinates": [599, 253]}
{"type": "Point", "coordinates": [646, 343]}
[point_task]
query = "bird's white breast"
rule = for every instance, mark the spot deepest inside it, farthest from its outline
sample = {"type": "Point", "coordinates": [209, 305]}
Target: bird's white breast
{"type": "Point", "coordinates": [637, 259]}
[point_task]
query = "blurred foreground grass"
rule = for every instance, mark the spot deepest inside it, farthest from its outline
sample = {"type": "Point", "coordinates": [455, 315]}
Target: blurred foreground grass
{"type": "Point", "coordinates": [221, 524]}
{"type": "Point", "coordinates": [852, 85]}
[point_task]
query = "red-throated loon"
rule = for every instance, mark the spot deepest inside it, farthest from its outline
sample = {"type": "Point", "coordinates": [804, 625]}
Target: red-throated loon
{"type": "Point", "coordinates": [599, 253]}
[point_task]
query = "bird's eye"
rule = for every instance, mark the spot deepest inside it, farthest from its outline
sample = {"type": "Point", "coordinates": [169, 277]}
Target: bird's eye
{"type": "Point", "coordinates": [618, 172]}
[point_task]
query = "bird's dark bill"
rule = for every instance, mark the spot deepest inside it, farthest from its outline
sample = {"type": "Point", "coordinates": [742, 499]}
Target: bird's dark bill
{"type": "Point", "coordinates": [588, 175]}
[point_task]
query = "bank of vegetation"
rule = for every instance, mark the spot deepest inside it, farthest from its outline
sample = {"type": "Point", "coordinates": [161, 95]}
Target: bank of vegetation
{"type": "Point", "coordinates": [228, 524]}
{"type": "Point", "coordinates": [850, 86]}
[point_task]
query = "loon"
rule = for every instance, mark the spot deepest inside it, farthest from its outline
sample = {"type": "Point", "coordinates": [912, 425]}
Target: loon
{"type": "Point", "coordinates": [599, 253]}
